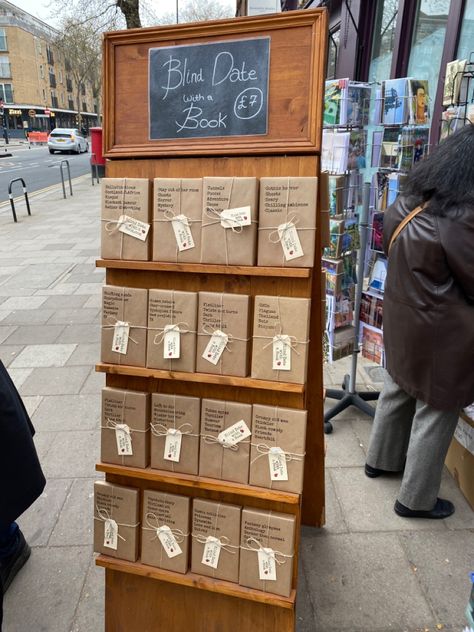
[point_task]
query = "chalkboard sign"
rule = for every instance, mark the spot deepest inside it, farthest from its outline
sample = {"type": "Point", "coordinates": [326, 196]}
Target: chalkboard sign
{"type": "Point", "coordinates": [215, 89]}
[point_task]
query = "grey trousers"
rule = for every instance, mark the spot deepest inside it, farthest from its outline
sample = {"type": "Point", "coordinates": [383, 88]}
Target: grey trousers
{"type": "Point", "coordinates": [407, 428]}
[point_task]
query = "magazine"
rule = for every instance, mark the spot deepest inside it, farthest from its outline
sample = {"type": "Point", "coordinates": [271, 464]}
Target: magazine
{"type": "Point", "coordinates": [395, 97]}
{"type": "Point", "coordinates": [418, 101]}
{"type": "Point", "coordinates": [390, 144]}
{"type": "Point", "coordinates": [357, 145]}
{"type": "Point", "coordinates": [371, 310]}
{"type": "Point", "coordinates": [335, 150]}
{"type": "Point", "coordinates": [372, 344]}
{"type": "Point", "coordinates": [376, 242]}
{"type": "Point", "coordinates": [377, 138]}
{"type": "Point", "coordinates": [358, 103]}
{"type": "Point", "coordinates": [335, 102]}
{"type": "Point", "coordinates": [336, 195]}
{"type": "Point", "coordinates": [378, 275]}
{"type": "Point", "coordinates": [452, 81]}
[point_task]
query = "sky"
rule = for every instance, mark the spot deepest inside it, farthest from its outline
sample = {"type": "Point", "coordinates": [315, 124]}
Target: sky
{"type": "Point", "coordinates": [42, 9]}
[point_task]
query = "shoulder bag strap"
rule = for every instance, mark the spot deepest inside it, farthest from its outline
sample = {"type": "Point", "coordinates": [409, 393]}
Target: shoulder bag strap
{"type": "Point", "coordinates": [406, 220]}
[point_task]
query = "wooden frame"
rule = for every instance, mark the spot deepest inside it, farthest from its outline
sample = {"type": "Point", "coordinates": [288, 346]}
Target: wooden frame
{"type": "Point", "coordinates": [141, 597]}
{"type": "Point", "coordinates": [296, 105]}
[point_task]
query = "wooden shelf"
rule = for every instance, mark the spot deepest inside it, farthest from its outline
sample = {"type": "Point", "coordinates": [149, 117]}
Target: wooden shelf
{"type": "Point", "coordinates": [206, 378]}
{"type": "Point", "coordinates": [200, 482]}
{"type": "Point", "coordinates": [197, 581]}
{"type": "Point", "coordinates": [205, 268]}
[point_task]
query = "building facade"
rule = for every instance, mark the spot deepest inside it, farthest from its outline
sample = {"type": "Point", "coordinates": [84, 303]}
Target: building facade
{"type": "Point", "coordinates": [36, 86]}
{"type": "Point", "coordinates": [372, 40]}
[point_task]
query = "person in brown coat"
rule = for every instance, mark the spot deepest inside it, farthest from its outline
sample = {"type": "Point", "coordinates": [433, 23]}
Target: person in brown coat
{"type": "Point", "coordinates": [428, 326]}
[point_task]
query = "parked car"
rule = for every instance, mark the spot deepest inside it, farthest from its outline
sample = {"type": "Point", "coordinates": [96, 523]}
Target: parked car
{"type": "Point", "coordinates": [64, 139]}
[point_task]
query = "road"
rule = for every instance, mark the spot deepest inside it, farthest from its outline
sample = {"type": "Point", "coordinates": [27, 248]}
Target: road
{"type": "Point", "coordinates": [38, 168]}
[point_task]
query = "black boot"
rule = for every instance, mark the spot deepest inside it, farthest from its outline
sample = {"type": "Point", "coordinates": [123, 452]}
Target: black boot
{"type": "Point", "coordinates": [442, 509]}
{"type": "Point", "coordinates": [9, 566]}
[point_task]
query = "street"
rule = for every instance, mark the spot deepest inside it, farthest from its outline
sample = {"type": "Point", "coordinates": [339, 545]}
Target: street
{"type": "Point", "coordinates": [38, 168]}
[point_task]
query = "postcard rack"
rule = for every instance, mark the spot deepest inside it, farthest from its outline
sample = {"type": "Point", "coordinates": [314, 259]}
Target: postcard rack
{"type": "Point", "coordinates": [140, 597]}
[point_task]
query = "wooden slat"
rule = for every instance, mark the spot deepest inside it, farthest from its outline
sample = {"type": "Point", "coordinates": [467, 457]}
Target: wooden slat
{"type": "Point", "coordinates": [199, 482]}
{"type": "Point", "coordinates": [204, 268]}
{"type": "Point", "coordinates": [197, 581]}
{"type": "Point", "coordinates": [208, 378]}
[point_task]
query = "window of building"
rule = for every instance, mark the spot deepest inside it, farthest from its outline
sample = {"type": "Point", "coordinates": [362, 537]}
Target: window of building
{"type": "Point", "coordinates": [6, 92]}
{"type": "Point", "coordinates": [71, 104]}
{"type": "Point", "coordinates": [333, 49]}
{"type": "Point", "coordinates": [383, 40]}
{"type": "Point", "coordinates": [60, 76]}
{"type": "Point", "coordinates": [44, 95]}
{"type": "Point", "coordinates": [466, 38]}
{"type": "Point", "coordinates": [428, 41]}
{"type": "Point", "coordinates": [84, 106]}
{"type": "Point", "coordinates": [3, 40]}
{"type": "Point", "coordinates": [5, 69]}
{"type": "Point", "coordinates": [41, 71]}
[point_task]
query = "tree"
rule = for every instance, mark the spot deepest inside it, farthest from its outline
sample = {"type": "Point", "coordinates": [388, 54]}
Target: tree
{"type": "Point", "coordinates": [107, 15]}
{"type": "Point", "coordinates": [199, 11]}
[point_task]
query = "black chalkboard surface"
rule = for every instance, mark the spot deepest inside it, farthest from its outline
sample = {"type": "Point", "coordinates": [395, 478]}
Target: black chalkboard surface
{"type": "Point", "coordinates": [215, 89]}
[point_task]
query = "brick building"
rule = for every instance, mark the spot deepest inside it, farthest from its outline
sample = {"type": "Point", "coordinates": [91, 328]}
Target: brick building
{"type": "Point", "coordinates": [35, 77]}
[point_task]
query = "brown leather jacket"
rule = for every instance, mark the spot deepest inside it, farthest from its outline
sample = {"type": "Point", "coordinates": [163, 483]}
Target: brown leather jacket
{"type": "Point", "coordinates": [429, 305]}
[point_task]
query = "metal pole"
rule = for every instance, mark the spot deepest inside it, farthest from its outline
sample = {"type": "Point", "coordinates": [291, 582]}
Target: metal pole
{"type": "Point", "coordinates": [62, 180]}
{"type": "Point", "coordinates": [363, 231]}
{"type": "Point", "coordinates": [177, 12]}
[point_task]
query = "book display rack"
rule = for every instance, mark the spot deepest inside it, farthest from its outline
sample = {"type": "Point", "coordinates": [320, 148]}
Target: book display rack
{"type": "Point", "coordinates": [279, 137]}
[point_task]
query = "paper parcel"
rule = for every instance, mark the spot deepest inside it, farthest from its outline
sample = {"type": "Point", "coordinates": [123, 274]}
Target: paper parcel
{"type": "Point", "coordinates": [229, 221]}
{"type": "Point", "coordinates": [277, 449]}
{"type": "Point", "coordinates": [172, 320]}
{"type": "Point", "coordinates": [116, 520]}
{"type": "Point", "coordinates": [223, 332]}
{"type": "Point", "coordinates": [165, 530]}
{"type": "Point", "coordinates": [287, 222]}
{"type": "Point", "coordinates": [124, 323]}
{"type": "Point", "coordinates": [225, 440]}
{"type": "Point", "coordinates": [216, 540]}
{"type": "Point", "coordinates": [125, 427]}
{"type": "Point", "coordinates": [460, 457]}
{"type": "Point", "coordinates": [177, 210]}
{"type": "Point", "coordinates": [267, 549]}
{"type": "Point", "coordinates": [125, 225]}
{"type": "Point", "coordinates": [175, 433]}
{"type": "Point", "coordinates": [280, 338]}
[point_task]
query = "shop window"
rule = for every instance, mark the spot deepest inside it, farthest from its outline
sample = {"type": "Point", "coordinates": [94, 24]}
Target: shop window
{"type": "Point", "coordinates": [3, 40]}
{"type": "Point", "coordinates": [466, 38]}
{"type": "Point", "coordinates": [383, 40]}
{"type": "Point", "coordinates": [6, 92]}
{"type": "Point", "coordinates": [333, 50]}
{"type": "Point", "coordinates": [428, 41]}
{"type": "Point", "coordinates": [5, 69]}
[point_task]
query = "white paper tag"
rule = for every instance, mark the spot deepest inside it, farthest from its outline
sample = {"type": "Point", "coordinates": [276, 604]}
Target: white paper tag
{"type": "Point", "coordinates": [173, 445]}
{"type": "Point", "coordinates": [290, 241]}
{"type": "Point", "coordinates": [234, 434]}
{"type": "Point", "coordinates": [211, 553]}
{"type": "Point", "coordinates": [277, 463]}
{"type": "Point", "coordinates": [171, 342]}
{"type": "Point", "coordinates": [168, 541]}
{"type": "Point", "coordinates": [133, 227]}
{"type": "Point", "coordinates": [281, 353]}
{"type": "Point", "coordinates": [120, 339]}
{"type": "Point", "coordinates": [215, 347]}
{"type": "Point", "coordinates": [232, 217]}
{"type": "Point", "coordinates": [110, 534]}
{"type": "Point", "coordinates": [124, 440]}
{"type": "Point", "coordinates": [266, 565]}
{"type": "Point", "coordinates": [182, 232]}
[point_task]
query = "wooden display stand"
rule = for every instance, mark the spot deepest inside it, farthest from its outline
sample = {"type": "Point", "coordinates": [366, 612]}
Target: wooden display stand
{"type": "Point", "coordinates": [143, 598]}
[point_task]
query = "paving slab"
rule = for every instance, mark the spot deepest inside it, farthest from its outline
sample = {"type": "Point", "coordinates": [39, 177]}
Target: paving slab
{"type": "Point", "coordinates": [64, 302]}
{"type": "Point", "coordinates": [38, 522]}
{"type": "Point", "coordinates": [80, 333]}
{"type": "Point", "coordinates": [68, 412]}
{"type": "Point", "coordinates": [343, 450]}
{"type": "Point", "coordinates": [73, 316]}
{"type": "Point", "coordinates": [360, 583]}
{"type": "Point", "coordinates": [94, 301]}
{"type": "Point", "coordinates": [90, 611]}
{"type": "Point", "coordinates": [335, 522]}
{"type": "Point", "coordinates": [58, 290]}
{"type": "Point", "coordinates": [31, 403]}
{"type": "Point", "coordinates": [305, 620]}
{"type": "Point", "coordinates": [34, 334]}
{"type": "Point", "coordinates": [89, 288]}
{"type": "Point", "coordinates": [75, 523]}
{"type": "Point", "coordinates": [28, 317]}
{"type": "Point", "coordinates": [19, 377]}
{"type": "Point", "coordinates": [55, 381]}
{"type": "Point", "coordinates": [362, 428]}
{"type": "Point", "coordinates": [5, 332]}
{"type": "Point", "coordinates": [94, 383]}
{"type": "Point", "coordinates": [9, 352]}
{"type": "Point", "coordinates": [43, 356]}
{"type": "Point", "coordinates": [23, 303]}
{"type": "Point", "coordinates": [443, 562]}
{"type": "Point", "coordinates": [367, 503]}
{"type": "Point", "coordinates": [44, 595]}
{"type": "Point", "coordinates": [73, 454]}
{"type": "Point", "coordinates": [87, 354]}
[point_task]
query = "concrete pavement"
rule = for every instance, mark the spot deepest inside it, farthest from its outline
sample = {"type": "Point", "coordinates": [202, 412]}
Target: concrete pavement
{"type": "Point", "coordinates": [366, 571]}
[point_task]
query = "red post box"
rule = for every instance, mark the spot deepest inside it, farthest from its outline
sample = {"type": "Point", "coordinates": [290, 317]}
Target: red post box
{"type": "Point", "coordinates": [96, 146]}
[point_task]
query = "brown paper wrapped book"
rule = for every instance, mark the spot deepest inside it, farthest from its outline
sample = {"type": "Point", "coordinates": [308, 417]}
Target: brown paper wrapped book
{"type": "Point", "coordinates": [124, 325]}
{"type": "Point", "coordinates": [125, 427]}
{"type": "Point", "coordinates": [165, 531]}
{"type": "Point", "coordinates": [287, 222]}
{"type": "Point", "coordinates": [175, 423]}
{"type": "Point", "coordinates": [125, 230]}
{"type": "Point", "coordinates": [229, 221]}
{"type": "Point", "coordinates": [216, 540]}
{"type": "Point", "coordinates": [266, 551]}
{"type": "Point", "coordinates": [225, 446]}
{"type": "Point", "coordinates": [223, 332]}
{"type": "Point", "coordinates": [177, 210]}
{"type": "Point", "coordinates": [278, 448]}
{"type": "Point", "coordinates": [280, 338]}
{"type": "Point", "coordinates": [116, 520]}
{"type": "Point", "coordinates": [172, 320]}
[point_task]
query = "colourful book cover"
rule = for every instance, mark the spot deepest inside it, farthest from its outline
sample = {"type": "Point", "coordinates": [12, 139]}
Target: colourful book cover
{"type": "Point", "coordinates": [358, 103]}
{"type": "Point", "coordinates": [377, 232]}
{"type": "Point", "coordinates": [419, 101]}
{"type": "Point", "coordinates": [395, 97]}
